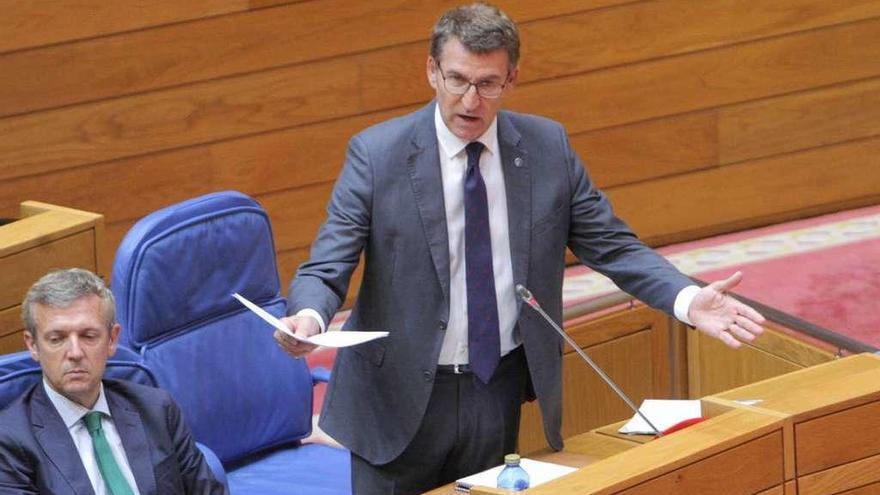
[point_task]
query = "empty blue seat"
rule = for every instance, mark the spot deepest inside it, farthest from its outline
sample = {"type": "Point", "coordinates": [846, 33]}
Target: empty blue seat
{"type": "Point", "coordinates": [173, 278]}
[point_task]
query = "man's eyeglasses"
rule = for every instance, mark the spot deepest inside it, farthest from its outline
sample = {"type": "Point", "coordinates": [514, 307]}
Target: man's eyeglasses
{"type": "Point", "coordinates": [458, 85]}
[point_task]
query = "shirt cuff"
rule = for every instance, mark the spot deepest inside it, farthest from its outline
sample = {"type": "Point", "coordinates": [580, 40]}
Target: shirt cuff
{"type": "Point", "coordinates": [314, 314]}
{"type": "Point", "coordinates": [683, 303]}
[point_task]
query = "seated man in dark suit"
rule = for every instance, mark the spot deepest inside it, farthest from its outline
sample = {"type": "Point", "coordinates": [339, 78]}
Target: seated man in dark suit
{"type": "Point", "coordinates": [76, 433]}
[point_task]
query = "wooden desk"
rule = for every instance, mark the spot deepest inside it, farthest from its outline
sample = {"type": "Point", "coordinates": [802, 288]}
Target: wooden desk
{"type": "Point", "coordinates": [580, 451]}
{"type": "Point", "coordinates": [807, 436]}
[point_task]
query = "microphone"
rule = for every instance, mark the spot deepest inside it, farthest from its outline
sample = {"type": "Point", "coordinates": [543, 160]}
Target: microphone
{"type": "Point", "coordinates": [529, 299]}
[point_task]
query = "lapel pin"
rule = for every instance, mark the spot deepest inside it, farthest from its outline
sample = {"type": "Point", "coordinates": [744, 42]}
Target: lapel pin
{"type": "Point", "coordinates": [518, 162]}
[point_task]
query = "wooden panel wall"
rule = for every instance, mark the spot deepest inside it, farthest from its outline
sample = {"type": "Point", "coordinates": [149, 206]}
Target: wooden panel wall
{"type": "Point", "coordinates": [696, 117]}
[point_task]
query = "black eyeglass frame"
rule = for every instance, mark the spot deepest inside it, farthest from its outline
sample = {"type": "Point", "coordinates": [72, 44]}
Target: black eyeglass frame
{"type": "Point", "coordinates": [476, 85]}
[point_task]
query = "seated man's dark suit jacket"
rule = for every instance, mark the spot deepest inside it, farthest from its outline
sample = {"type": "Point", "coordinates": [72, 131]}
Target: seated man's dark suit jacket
{"type": "Point", "coordinates": [388, 205]}
{"type": "Point", "coordinates": [37, 454]}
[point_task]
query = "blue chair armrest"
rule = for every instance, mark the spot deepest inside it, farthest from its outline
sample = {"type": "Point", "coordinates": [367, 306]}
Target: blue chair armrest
{"type": "Point", "coordinates": [320, 374]}
{"type": "Point", "coordinates": [214, 463]}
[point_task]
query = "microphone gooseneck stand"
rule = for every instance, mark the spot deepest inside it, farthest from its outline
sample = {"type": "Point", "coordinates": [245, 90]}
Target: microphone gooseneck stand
{"type": "Point", "coordinates": [527, 298]}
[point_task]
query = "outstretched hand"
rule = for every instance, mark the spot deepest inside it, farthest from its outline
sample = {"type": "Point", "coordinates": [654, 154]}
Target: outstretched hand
{"type": "Point", "coordinates": [717, 314]}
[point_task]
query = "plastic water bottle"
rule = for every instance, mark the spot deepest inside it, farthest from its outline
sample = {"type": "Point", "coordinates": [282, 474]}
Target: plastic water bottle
{"type": "Point", "coordinates": [513, 476]}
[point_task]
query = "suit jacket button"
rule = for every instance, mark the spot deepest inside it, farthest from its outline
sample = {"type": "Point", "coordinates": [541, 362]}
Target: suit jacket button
{"type": "Point", "coordinates": [428, 375]}
{"type": "Point", "coordinates": [442, 325]}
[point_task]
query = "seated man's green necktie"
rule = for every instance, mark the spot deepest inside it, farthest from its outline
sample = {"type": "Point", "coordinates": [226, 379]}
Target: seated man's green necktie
{"type": "Point", "coordinates": [113, 477]}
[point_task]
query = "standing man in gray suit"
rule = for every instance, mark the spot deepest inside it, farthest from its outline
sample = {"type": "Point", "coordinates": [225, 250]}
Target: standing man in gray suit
{"type": "Point", "coordinates": [452, 206]}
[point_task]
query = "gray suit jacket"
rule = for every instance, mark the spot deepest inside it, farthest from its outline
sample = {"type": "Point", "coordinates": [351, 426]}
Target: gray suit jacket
{"type": "Point", "coordinates": [37, 454]}
{"type": "Point", "coordinates": [388, 205]}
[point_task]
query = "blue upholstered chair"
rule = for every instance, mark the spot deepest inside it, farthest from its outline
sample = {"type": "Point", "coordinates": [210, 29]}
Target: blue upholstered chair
{"type": "Point", "coordinates": [18, 372]}
{"type": "Point", "coordinates": [173, 277]}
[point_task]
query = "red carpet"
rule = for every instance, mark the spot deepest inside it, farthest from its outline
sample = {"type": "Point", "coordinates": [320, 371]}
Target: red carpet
{"type": "Point", "coordinates": [837, 288]}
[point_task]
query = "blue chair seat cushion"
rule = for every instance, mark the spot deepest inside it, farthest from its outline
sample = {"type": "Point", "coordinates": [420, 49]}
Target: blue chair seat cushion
{"type": "Point", "coordinates": [306, 469]}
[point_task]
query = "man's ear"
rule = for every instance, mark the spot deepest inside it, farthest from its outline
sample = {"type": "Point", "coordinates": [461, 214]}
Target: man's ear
{"type": "Point", "coordinates": [431, 71]}
{"type": "Point", "coordinates": [32, 346]}
{"type": "Point", "coordinates": [114, 338]}
{"type": "Point", "coordinates": [512, 78]}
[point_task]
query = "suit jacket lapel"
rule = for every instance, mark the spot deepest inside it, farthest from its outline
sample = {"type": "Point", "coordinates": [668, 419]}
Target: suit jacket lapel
{"type": "Point", "coordinates": [134, 440]}
{"type": "Point", "coordinates": [517, 183]}
{"type": "Point", "coordinates": [57, 445]}
{"type": "Point", "coordinates": [423, 163]}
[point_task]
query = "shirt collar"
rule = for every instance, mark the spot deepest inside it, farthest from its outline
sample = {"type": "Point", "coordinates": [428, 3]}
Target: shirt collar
{"type": "Point", "coordinates": [70, 411]}
{"type": "Point", "coordinates": [451, 145]}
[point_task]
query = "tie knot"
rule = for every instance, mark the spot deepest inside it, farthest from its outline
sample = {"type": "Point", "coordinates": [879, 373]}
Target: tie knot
{"type": "Point", "coordinates": [93, 421]}
{"type": "Point", "coordinates": [474, 149]}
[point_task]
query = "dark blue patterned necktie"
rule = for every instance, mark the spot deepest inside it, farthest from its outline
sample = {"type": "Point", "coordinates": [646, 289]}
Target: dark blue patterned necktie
{"type": "Point", "coordinates": [484, 347]}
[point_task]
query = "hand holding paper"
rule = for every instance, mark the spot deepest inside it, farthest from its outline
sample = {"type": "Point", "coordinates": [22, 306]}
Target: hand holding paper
{"type": "Point", "coordinates": [327, 339]}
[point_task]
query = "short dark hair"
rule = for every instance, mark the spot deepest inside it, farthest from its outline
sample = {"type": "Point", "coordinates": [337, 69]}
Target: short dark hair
{"type": "Point", "coordinates": [60, 289]}
{"type": "Point", "coordinates": [480, 27]}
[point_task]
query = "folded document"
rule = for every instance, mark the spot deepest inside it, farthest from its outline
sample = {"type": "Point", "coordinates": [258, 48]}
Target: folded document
{"type": "Point", "coordinates": [662, 414]}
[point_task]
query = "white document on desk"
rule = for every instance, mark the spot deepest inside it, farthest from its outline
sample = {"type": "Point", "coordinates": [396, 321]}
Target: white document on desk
{"type": "Point", "coordinates": [662, 414]}
{"type": "Point", "coordinates": [539, 472]}
{"type": "Point", "coordinates": [326, 339]}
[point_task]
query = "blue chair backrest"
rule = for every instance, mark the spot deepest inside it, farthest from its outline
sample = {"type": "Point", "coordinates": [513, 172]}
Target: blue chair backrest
{"type": "Point", "coordinates": [173, 278]}
{"type": "Point", "coordinates": [18, 372]}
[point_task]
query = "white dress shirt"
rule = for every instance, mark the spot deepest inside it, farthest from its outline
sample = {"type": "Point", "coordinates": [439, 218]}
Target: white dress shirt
{"type": "Point", "coordinates": [72, 414]}
{"type": "Point", "coordinates": [453, 165]}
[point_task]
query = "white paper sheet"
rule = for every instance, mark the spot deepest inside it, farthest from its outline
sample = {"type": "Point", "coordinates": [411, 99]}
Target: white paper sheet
{"type": "Point", "coordinates": [662, 414]}
{"type": "Point", "coordinates": [539, 472]}
{"type": "Point", "coordinates": [326, 339]}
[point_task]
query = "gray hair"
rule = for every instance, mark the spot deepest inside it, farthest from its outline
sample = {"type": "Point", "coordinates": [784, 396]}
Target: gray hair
{"type": "Point", "coordinates": [480, 27]}
{"type": "Point", "coordinates": [60, 289]}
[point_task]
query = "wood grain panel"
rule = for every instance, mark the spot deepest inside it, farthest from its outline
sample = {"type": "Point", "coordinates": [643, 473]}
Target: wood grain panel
{"type": "Point", "coordinates": [712, 78]}
{"type": "Point", "coordinates": [835, 439]}
{"type": "Point", "coordinates": [254, 41]}
{"type": "Point", "coordinates": [22, 269]}
{"type": "Point", "coordinates": [810, 119]}
{"type": "Point", "coordinates": [746, 469]}
{"type": "Point", "coordinates": [852, 476]}
{"type": "Point", "coordinates": [208, 112]}
{"type": "Point", "coordinates": [750, 193]}
{"type": "Point", "coordinates": [872, 489]}
{"type": "Point", "coordinates": [11, 343]}
{"type": "Point", "coordinates": [776, 490]}
{"type": "Point", "coordinates": [740, 451]}
{"type": "Point", "coordinates": [713, 367]}
{"type": "Point", "coordinates": [10, 320]}
{"type": "Point", "coordinates": [226, 45]}
{"type": "Point", "coordinates": [267, 101]}
{"type": "Point", "coordinates": [588, 402]}
{"type": "Point", "coordinates": [694, 141]}
{"type": "Point", "coordinates": [618, 324]}
{"type": "Point", "coordinates": [593, 40]}
{"type": "Point", "coordinates": [31, 23]}
{"type": "Point", "coordinates": [649, 150]}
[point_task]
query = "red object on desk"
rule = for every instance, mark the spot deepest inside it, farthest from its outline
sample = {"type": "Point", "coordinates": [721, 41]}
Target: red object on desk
{"type": "Point", "coordinates": [682, 425]}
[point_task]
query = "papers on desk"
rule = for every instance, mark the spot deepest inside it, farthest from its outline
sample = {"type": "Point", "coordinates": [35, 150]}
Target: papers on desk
{"type": "Point", "coordinates": [662, 414]}
{"type": "Point", "coordinates": [327, 339]}
{"type": "Point", "coordinates": [539, 472]}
